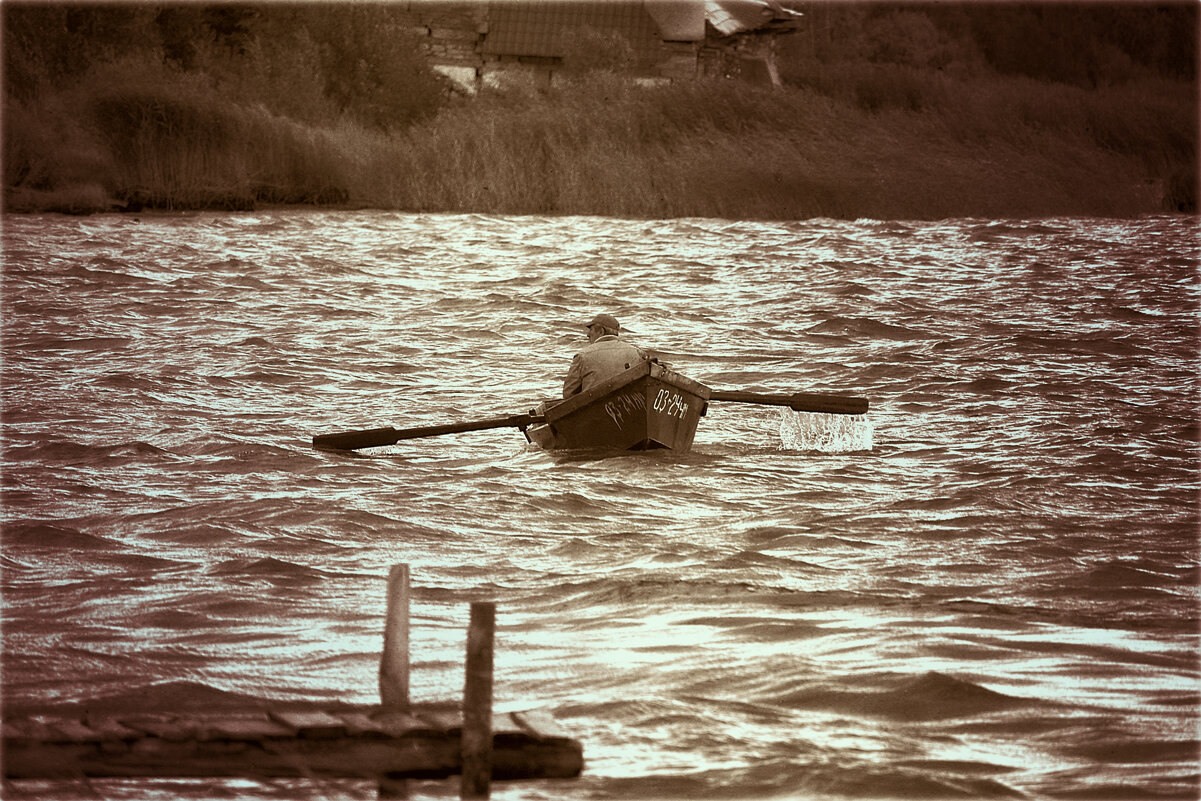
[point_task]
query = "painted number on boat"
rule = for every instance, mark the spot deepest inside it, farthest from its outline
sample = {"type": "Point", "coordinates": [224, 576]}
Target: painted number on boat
{"type": "Point", "coordinates": [671, 403]}
{"type": "Point", "coordinates": [619, 406]}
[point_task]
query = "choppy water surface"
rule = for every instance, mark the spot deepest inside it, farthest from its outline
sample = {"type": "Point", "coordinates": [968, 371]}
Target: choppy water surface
{"type": "Point", "coordinates": [988, 589]}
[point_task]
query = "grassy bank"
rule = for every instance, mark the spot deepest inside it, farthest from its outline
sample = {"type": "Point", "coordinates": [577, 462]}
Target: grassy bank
{"type": "Point", "coordinates": [1010, 148]}
{"type": "Point", "coordinates": [985, 146]}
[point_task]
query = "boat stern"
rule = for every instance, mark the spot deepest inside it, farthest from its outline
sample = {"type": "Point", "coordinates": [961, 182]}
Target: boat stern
{"type": "Point", "coordinates": [646, 407]}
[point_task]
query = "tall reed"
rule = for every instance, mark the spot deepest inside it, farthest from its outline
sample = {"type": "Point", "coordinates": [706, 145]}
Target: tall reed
{"type": "Point", "coordinates": [600, 145]}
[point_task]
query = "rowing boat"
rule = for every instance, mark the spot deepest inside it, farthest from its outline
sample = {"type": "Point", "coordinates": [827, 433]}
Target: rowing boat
{"type": "Point", "coordinates": [646, 407]}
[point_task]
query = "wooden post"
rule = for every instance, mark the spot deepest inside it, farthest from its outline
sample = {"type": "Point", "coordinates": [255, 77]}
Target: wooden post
{"type": "Point", "coordinates": [394, 663]}
{"type": "Point", "coordinates": [477, 703]}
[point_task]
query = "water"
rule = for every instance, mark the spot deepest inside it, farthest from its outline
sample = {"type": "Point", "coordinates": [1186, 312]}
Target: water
{"type": "Point", "coordinates": [988, 588]}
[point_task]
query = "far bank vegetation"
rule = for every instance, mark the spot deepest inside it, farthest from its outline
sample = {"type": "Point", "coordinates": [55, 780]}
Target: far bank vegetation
{"type": "Point", "coordinates": [902, 110]}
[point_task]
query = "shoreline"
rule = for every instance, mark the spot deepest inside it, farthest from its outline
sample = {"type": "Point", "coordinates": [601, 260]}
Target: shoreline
{"type": "Point", "coordinates": [302, 208]}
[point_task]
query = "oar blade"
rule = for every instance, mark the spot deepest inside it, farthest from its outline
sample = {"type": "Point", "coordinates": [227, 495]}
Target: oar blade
{"type": "Point", "coordinates": [353, 440]}
{"type": "Point", "coordinates": [799, 401]}
{"type": "Point", "coordinates": [828, 404]}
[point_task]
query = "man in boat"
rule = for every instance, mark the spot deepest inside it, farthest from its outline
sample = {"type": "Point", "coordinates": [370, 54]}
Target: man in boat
{"type": "Point", "coordinates": [603, 357]}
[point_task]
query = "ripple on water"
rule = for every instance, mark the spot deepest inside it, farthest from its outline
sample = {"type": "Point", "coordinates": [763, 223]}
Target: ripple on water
{"type": "Point", "coordinates": [985, 588]}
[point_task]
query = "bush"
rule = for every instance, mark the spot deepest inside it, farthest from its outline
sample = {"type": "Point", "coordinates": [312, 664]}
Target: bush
{"type": "Point", "coordinates": [171, 140]}
{"type": "Point", "coordinates": [51, 160]}
{"type": "Point", "coordinates": [590, 51]}
{"type": "Point", "coordinates": [372, 68]}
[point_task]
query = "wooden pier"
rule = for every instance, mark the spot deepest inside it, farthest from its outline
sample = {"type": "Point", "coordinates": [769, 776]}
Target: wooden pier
{"type": "Point", "coordinates": [366, 742]}
{"type": "Point", "coordinates": [393, 741]}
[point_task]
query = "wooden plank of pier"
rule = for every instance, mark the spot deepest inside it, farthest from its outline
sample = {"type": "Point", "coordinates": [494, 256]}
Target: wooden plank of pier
{"type": "Point", "coordinates": [346, 742]}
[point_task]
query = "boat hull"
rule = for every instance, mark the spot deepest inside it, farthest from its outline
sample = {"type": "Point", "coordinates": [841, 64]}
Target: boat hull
{"type": "Point", "coordinates": [646, 407]}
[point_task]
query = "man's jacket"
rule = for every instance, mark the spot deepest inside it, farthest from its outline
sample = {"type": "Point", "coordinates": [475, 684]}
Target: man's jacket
{"type": "Point", "coordinates": [604, 358]}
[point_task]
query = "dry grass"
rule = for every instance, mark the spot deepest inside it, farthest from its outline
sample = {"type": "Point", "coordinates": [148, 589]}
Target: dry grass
{"type": "Point", "coordinates": [911, 148]}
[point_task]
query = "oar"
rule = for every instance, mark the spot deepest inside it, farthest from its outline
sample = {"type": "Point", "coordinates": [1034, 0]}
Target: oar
{"type": "Point", "coordinates": [799, 401]}
{"type": "Point", "coordinates": [375, 437]}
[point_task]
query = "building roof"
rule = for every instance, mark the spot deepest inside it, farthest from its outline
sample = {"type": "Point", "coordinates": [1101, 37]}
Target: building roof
{"type": "Point", "coordinates": [729, 17]}
{"type": "Point", "coordinates": [546, 27]}
{"type": "Point", "coordinates": [678, 20]}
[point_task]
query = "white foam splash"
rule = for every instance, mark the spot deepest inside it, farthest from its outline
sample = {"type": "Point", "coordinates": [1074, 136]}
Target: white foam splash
{"type": "Point", "coordinates": [830, 433]}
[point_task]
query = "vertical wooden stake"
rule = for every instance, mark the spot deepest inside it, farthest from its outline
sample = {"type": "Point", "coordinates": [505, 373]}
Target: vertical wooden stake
{"type": "Point", "coordinates": [477, 703]}
{"type": "Point", "coordinates": [394, 663]}
{"type": "Point", "coordinates": [392, 789]}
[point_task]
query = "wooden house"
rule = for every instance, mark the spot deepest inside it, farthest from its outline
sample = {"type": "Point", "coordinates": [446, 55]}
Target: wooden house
{"type": "Point", "coordinates": [489, 42]}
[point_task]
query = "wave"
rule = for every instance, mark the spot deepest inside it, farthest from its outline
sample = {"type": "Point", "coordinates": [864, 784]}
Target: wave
{"type": "Point", "coordinates": [174, 619]}
{"type": "Point", "coordinates": [932, 696]}
{"type": "Point", "coordinates": [178, 697]}
{"type": "Point", "coordinates": [49, 535]}
{"type": "Point", "coordinates": [1118, 574]}
{"type": "Point", "coordinates": [754, 629]}
{"type": "Point", "coordinates": [98, 344]}
{"type": "Point", "coordinates": [802, 775]}
{"type": "Point", "coordinates": [852, 289]}
{"type": "Point", "coordinates": [63, 452]}
{"type": "Point", "coordinates": [609, 592]}
{"type": "Point", "coordinates": [105, 273]}
{"type": "Point", "coordinates": [868, 327]}
{"type": "Point", "coordinates": [277, 571]}
{"type": "Point", "coordinates": [1099, 344]}
{"type": "Point", "coordinates": [1117, 746]}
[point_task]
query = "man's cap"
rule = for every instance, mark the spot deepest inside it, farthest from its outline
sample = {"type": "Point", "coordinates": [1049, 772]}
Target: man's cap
{"type": "Point", "coordinates": [605, 321]}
